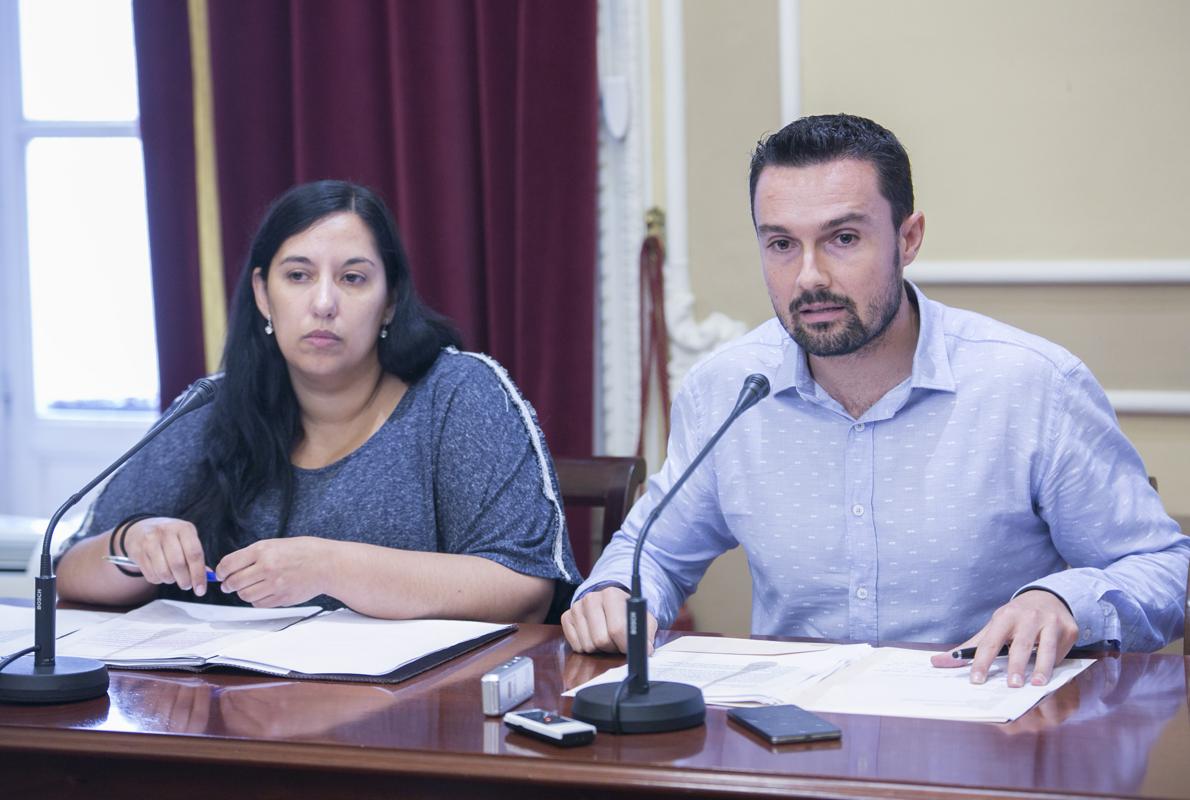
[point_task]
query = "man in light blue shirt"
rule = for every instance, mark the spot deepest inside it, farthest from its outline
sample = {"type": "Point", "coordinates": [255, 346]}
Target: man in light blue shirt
{"type": "Point", "coordinates": [918, 471]}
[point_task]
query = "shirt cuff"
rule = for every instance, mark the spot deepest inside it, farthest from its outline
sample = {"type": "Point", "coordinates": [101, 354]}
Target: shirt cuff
{"type": "Point", "coordinates": [1097, 619]}
{"type": "Point", "coordinates": [595, 587]}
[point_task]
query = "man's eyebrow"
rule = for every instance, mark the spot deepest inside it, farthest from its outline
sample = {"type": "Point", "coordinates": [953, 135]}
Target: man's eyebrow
{"type": "Point", "coordinates": [855, 216]}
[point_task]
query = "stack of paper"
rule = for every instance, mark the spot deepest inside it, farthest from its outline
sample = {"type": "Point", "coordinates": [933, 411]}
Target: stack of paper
{"type": "Point", "coordinates": [847, 679]}
{"type": "Point", "coordinates": [16, 625]}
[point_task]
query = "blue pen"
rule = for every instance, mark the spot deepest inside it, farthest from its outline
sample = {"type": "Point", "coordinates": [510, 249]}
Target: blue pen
{"type": "Point", "coordinates": [125, 561]}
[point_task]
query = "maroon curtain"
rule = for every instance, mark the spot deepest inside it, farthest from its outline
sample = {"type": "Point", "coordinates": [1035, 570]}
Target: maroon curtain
{"type": "Point", "coordinates": [162, 32]}
{"type": "Point", "coordinates": [475, 120]}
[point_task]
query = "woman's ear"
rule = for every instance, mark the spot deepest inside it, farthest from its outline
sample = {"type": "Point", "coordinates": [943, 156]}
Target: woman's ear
{"type": "Point", "coordinates": [261, 293]}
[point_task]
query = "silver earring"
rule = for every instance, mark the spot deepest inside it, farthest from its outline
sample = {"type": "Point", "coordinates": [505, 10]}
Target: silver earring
{"type": "Point", "coordinates": [268, 326]}
{"type": "Point", "coordinates": [384, 331]}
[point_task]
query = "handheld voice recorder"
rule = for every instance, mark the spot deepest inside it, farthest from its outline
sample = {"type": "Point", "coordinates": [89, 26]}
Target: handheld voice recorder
{"type": "Point", "coordinates": [507, 686]}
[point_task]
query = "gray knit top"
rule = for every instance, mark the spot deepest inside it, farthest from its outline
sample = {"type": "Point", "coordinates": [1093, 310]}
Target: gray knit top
{"type": "Point", "coordinates": [460, 466]}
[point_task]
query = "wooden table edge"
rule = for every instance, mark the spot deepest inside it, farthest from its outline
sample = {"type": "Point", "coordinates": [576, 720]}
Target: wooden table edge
{"type": "Point", "coordinates": [489, 767]}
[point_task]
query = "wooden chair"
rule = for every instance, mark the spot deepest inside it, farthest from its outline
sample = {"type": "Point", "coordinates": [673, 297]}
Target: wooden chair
{"type": "Point", "coordinates": [606, 482]}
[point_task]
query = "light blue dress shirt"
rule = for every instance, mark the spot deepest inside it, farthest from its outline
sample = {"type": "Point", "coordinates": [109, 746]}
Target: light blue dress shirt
{"type": "Point", "coordinates": [996, 464]}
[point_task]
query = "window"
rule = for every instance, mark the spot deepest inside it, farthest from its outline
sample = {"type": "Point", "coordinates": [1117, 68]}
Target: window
{"type": "Point", "coordinates": [89, 285]}
{"type": "Point", "coordinates": [78, 366]}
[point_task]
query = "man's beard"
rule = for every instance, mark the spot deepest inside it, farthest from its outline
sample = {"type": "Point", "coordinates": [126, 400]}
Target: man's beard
{"type": "Point", "coordinates": [854, 334]}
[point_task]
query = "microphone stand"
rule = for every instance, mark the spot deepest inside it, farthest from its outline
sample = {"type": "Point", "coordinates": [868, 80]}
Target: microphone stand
{"type": "Point", "coordinates": [636, 705]}
{"type": "Point", "coordinates": [35, 674]}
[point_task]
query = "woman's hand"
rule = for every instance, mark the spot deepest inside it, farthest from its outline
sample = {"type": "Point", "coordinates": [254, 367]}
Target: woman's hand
{"type": "Point", "coordinates": [277, 572]}
{"type": "Point", "coordinates": [167, 550]}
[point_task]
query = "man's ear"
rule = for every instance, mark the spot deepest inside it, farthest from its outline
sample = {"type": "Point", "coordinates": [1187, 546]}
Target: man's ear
{"type": "Point", "coordinates": [261, 293]}
{"type": "Point", "coordinates": [909, 238]}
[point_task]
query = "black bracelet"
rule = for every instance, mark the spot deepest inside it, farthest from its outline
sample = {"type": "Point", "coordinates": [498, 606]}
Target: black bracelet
{"type": "Point", "coordinates": [116, 540]}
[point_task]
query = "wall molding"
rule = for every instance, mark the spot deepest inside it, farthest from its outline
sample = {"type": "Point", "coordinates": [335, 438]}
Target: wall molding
{"type": "Point", "coordinates": [1142, 271]}
{"type": "Point", "coordinates": [624, 170]}
{"type": "Point", "coordinates": [690, 339]}
{"type": "Point", "coordinates": [1150, 402]}
{"type": "Point", "coordinates": [790, 55]}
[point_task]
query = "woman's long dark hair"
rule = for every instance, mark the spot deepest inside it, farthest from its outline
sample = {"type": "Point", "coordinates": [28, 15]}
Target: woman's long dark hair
{"type": "Point", "coordinates": [255, 422]}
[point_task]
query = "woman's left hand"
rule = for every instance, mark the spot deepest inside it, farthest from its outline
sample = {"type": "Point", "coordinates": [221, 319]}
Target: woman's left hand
{"type": "Point", "coordinates": [277, 572]}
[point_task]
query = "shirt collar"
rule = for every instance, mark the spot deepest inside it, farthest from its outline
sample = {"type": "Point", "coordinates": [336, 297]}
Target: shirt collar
{"type": "Point", "coordinates": [931, 362]}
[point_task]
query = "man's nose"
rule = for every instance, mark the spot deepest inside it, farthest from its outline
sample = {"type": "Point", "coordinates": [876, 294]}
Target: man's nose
{"type": "Point", "coordinates": [812, 273]}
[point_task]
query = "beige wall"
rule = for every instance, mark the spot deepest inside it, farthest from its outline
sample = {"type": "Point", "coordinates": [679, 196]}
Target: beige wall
{"type": "Point", "coordinates": [1038, 131]}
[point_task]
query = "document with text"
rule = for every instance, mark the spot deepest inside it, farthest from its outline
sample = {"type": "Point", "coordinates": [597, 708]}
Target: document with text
{"type": "Point", "coordinates": [846, 679]}
{"type": "Point", "coordinates": [294, 642]}
{"type": "Point", "coordinates": [16, 625]}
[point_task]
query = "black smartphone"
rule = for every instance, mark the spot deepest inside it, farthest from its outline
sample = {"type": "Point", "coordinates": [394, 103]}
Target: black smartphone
{"type": "Point", "coordinates": [785, 724]}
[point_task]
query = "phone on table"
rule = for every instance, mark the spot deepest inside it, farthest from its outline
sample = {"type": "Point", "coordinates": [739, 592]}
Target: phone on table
{"type": "Point", "coordinates": [785, 724]}
{"type": "Point", "coordinates": [550, 726]}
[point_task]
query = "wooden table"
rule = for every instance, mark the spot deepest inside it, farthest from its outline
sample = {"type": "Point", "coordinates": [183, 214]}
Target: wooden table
{"type": "Point", "coordinates": [1120, 729]}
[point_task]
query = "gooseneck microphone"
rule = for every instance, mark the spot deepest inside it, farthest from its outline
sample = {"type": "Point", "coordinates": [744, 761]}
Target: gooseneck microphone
{"type": "Point", "coordinates": [635, 705]}
{"type": "Point", "coordinates": [35, 675]}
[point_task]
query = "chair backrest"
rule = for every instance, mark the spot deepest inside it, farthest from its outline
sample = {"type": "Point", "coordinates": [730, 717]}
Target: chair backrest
{"type": "Point", "coordinates": [607, 482]}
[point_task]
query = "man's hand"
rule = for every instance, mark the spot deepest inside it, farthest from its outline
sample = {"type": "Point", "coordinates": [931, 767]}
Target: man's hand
{"type": "Point", "coordinates": [277, 572]}
{"type": "Point", "coordinates": [598, 623]}
{"type": "Point", "coordinates": [167, 550]}
{"type": "Point", "coordinates": [1032, 619]}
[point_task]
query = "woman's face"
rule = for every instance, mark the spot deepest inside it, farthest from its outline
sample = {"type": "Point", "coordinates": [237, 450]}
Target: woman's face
{"type": "Point", "coordinates": [328, 298]}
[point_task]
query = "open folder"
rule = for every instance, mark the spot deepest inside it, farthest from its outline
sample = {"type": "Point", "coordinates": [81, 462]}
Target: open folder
{"type": "Point", "coordinates": [298, 642]}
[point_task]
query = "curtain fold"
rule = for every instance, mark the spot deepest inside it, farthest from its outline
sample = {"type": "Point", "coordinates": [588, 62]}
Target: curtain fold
{"type": "Point", "coordinates": [162, 35]}
{"type": "Point", "coordinates": [477, 122]}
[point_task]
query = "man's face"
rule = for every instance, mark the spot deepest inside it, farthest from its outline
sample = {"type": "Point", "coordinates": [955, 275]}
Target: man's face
{"type": "Point", "coordinates": [832, 260]}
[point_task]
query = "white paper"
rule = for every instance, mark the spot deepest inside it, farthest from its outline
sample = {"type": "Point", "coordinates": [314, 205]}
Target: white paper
{"type": "Point", "coordinates": [174, 632]}
{"type": "Point", "coordinates": [16, 625]}
{"type": "Point", "coordinates": [345, 642]}
{"type": "Point", "coordinates": [730, 679]}
{"type": "Point", "coordinates": [895, 682]}
{"type": "Point", "coordinates": [741, 647]}
{"type": "Point", "coordinates": [845, 679]}
{"type": "Point", "coordinates": [279, 641]}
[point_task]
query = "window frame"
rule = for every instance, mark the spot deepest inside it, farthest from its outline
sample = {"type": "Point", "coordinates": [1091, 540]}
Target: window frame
{"type": "Point", "coordinates": [44, 457]}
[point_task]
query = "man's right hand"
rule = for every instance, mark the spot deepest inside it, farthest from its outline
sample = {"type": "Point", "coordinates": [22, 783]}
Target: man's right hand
{"type": "Point", "coordinates": [167, 550]}
{"type": "Point", "coordinates": [598, 622]}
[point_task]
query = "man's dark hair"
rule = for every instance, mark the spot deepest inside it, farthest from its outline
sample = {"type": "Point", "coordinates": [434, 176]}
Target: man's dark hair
{"type": "Point", "coordinates": [829, 137]}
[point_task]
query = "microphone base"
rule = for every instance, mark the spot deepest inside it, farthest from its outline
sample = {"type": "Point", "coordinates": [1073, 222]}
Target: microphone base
{"type": "Point", "coordinates": [666, 706]}
{"type": "Point", "coordinates": [67, 680]}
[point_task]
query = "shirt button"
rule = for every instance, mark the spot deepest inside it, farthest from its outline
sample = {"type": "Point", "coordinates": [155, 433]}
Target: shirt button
{"type": "Point", "coordinates": [861, 593]}
{"type": "Point", "coordinates": [859, 426]}
{"type": "Point", "coordinates": [858, 510]}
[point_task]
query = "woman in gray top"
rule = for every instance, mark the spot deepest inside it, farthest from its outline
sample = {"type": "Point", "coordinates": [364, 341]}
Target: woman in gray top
{"type": "Point", "coordinates": [352, 454]}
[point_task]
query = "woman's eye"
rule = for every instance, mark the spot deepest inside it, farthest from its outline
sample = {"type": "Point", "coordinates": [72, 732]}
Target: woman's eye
{"type": "Point", "coordinates": [296, 275]}
{"type": "Point", "coordinates": [354, 278]}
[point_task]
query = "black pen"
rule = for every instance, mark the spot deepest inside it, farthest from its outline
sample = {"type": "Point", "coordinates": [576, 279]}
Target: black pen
{"type": "Point", "coordinates": [968, 653]}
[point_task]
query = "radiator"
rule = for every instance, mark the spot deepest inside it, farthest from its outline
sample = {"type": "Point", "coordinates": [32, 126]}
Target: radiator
{"type": "Point", "coordinates": [20, 538]}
